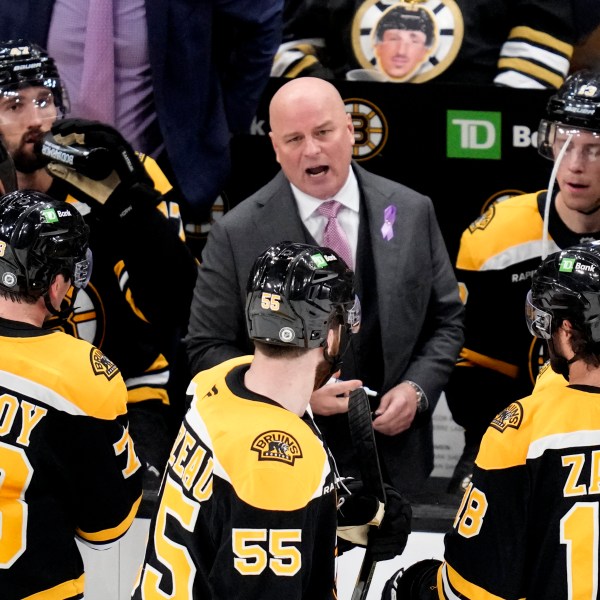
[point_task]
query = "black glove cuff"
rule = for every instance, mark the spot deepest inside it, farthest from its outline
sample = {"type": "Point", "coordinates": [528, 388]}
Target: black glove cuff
{"type": "Point", "coordinates": [126, 200]}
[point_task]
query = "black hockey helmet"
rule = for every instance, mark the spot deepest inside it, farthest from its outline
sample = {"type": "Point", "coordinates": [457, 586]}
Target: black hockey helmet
{"type": "Point", "coordinates": [24, 64]}
{"type": "Point", "coordinates": [294, 293]}
{"type": "Point", "coordinates": [39, 238]}
{"type": "Point", "coordinates": [566, 286]}
{"type": "Point", "coordinates": [576, 105]}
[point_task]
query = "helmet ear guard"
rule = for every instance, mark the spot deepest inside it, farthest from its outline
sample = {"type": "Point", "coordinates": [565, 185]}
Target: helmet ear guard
{"type": "Point", "coordinates": [294, 294]}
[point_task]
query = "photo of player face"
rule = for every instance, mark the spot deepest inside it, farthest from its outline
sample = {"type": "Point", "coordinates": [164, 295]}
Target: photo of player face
{"type": "Point", "coordinates": [403, 40]}
{"type": "Point", "coordinates": [401, 52]}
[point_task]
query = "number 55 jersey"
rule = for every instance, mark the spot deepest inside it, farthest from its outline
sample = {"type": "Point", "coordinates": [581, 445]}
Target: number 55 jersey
{"type": "Point", "coordinates": [247, 507]}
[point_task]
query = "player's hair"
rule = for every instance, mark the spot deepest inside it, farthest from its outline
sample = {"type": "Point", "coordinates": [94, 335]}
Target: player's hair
{"type": "Point", "coordinates": [407, 19]}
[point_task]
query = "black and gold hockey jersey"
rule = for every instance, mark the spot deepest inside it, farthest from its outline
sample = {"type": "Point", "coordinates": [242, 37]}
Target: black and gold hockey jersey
{"type": "Point", "coordinates": [247, 507]}
{"type": "Point", "coordinates": [140, 288]}
{"type": "Point", "coordinates": [67, 463]}
{"type": "Point", "coordinates": [528, 525]}
{"type": "Point", "coordinates": [498, 255]}
{"type": "Point", "coordinates": [522, 43]}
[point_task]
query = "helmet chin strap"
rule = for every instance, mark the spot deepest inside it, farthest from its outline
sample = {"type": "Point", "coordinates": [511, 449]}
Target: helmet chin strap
{"type": "Point", "coordinates": [69, 307]}
{"type": "Point", "coordinates": [559, 363]}
{"type": "Point", "coordinates": [332, 363]}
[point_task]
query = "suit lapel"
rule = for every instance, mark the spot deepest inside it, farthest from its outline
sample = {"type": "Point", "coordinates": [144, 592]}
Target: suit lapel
{"type": "Point", "coordinates": [385, 253]}
{"type": "Point", "coordinates": [277, 218]}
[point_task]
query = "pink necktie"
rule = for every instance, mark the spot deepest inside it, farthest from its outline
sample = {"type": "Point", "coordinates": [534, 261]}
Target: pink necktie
{"type": "Point", "coordinates": [334, 236]}
{"type": "Point", "coordinates": [97, 91]}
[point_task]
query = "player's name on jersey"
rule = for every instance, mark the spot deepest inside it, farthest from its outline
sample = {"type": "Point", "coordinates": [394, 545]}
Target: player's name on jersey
{"type": "Point", "coordinates": [30, 417]}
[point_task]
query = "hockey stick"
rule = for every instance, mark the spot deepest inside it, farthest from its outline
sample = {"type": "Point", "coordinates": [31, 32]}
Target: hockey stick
{"type": "Point", "coordinates": [360, 421]}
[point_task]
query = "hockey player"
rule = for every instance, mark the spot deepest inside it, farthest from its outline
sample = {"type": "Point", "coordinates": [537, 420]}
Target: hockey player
{"type": "Point", "coordinates": [134, 233]}
{"type": "Point", "coordinates": [499, 252]}
{"type": "Point", "coordinates": [67, 463]}
{"type": "Point", "coordinates": [528, 523]}
{"type": "Point", "coordinates": [247, 508]}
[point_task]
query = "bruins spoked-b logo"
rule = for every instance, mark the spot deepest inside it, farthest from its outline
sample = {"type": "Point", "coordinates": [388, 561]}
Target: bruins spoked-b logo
{"type": "Point", "coordinates": [277, 445]}
{"type": "Point", "coordinates": [101, 365]}
{"type": "Point", "coordinates": [370, 128]}
{"type": "Point", "coordinates": [410, 41]}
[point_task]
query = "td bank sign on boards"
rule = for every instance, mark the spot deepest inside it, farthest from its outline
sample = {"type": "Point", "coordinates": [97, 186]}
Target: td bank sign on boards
{"type": "Point", "coordinates": [473, 134]}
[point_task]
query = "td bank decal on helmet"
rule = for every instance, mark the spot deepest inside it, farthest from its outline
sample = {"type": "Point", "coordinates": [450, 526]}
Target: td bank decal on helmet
{"type": "Point", "coordinates": [277, 445]}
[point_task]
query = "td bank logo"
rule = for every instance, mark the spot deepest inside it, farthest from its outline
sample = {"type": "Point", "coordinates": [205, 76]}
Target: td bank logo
{"type": "Point", "coordinates": [473, 134]}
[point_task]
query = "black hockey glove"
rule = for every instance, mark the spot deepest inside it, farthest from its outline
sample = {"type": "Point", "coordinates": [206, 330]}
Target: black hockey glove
{"type": "Point", "coordinates": [363, 519]}
{"type": "Point", "coordinates": [357, 511]}
{"type": "Point", "coordinates": [389, 539]}
{"type": "Point", "coordinates": [127, 181]}
{"type": "Point", "coordinates": [417, 582]}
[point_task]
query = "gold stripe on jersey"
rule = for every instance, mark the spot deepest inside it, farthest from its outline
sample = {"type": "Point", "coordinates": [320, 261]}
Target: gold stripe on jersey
{"type": "Point", "coordinates": [145, 393]}
{"type": "Point", "coordinates": [519, 225]}
{"type": "Point", "coordinates": [490, 363]}
{"type": "Point", "coordinates": [161, 183]}
{"type": "Point", "coordinates": [151, 385]}
{"type": "Point", "coordinates": [450, 584]}
{"type": "Point", "coordinates": [68, 589]}
{"type": "Point", "coordinates": [106, 536]}
{"type": "Point", "coordinates": [222, 417]}
{"type": "Point", "coordinates": [527, 67]}
{"type": "Point", "coordinates": [303, 64]}
{"type": "Point", "coordinates": [543, 39]}
{"type": "Point", "coordinates": [123, 279]}
{"type": "Point", "coordinates": [542, 428]}
{"type": "Point", "coordinates": [52, 368]}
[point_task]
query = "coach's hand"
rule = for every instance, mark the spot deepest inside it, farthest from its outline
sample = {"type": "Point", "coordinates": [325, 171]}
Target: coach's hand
{"type": "Point", "coordinates": [332, 398]}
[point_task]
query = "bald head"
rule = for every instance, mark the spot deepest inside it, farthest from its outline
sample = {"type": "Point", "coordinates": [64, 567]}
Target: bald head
{"type": "Point", "coordinates": [312, 135]}
{"type": "Point", "coordinates": [299, 91]}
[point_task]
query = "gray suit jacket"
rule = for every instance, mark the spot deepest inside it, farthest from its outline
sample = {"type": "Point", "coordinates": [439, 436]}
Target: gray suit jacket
{"type": "Point", "coordinates": [421, 314]}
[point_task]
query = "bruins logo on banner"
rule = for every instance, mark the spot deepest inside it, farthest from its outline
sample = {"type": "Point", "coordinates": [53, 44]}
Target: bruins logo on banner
{"type": "Point", "coordinates": [102, 365]}
{"type": "Point", "coordinates": [370, 128]}
{"type": "Point", "coordinates": [87, 321]}
{"type": "Point", "coordinates": [277, 445]}
{"type": "Point", "coordinates": [509, 417]}
{"type": "Point", "coordinates": [411, 41]}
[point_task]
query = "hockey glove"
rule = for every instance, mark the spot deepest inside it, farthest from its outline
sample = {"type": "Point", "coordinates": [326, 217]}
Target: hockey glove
{"type": "Point", "coordinates": [389, 539]}
{"type": "Point", "coordinates": [417, 582]}
{"type": "Point", "coordinates": [363, 519]}
{"type": "Point", "coordinates": [356, 512]}
{"type": "Point", "coordinates": [127, 183]}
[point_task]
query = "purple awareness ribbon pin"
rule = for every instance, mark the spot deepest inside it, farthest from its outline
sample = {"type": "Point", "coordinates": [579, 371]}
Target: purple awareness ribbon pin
{"type": "Point", "coordinates": [389, 216]}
